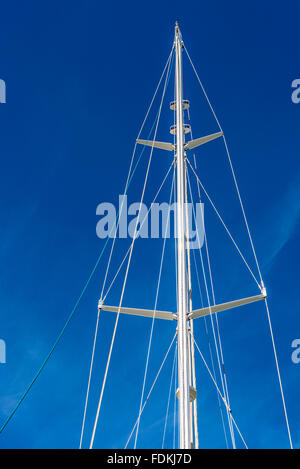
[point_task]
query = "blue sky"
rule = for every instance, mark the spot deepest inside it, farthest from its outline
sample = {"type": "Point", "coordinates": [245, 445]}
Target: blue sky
{"type": "Point", "coordinates": [79, 77]}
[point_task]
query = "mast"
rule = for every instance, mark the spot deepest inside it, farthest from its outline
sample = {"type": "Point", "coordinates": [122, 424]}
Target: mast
{"type": "Point", "coordinates": [186, 391]}
{"type": "Point", "coordinates": [182, 326]}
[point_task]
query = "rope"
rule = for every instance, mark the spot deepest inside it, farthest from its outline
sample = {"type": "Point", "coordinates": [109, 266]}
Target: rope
{"type": "Point", "coordinates": [155, 307]}
{"type": "Point", "coordinates": [127, 270]}
{"type": "Point", "coordinates": [151, 389]}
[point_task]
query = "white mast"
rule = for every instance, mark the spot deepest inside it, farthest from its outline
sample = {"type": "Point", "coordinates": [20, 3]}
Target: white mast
{"type": "Point", "coordinates": [183, 357]}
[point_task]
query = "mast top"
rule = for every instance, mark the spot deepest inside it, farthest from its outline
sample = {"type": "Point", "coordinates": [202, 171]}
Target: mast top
{"type": "Point", "coordinates": [177, 30]}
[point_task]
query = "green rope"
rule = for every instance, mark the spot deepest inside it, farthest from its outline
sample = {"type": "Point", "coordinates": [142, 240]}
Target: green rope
{"type": "Point", "coordinates": [71, 314]}
{"type": "Point", "coordinates": [80, 296]}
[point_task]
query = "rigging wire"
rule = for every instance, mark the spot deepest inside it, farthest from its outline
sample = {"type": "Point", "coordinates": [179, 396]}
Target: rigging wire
{"type": "Point", "coordinates": [231, 166]}
{"type": "Point", "coordinates": [129, 179]}
{"type": "Point", "coordinates": [97, 322]}
{"type": "Point", "coordinates": [279, 376]}
{"type": "Point", "coordinates": [221, 130]}
{"type": "Point", "coordinates": [211, 316]}
{"type": "Point", "coordinates": [223, 223]}
{"type": "Point", "coordinates": [252, 246]}
{"type": "Point", "coordinates": [205, 322]}
{"type": "Point", "coordinates": [210, 350]}
{"type": "Point", "coordinates": [169, 397]}
{"type": "Point", "coordinates": [203, 89]}
{"type": "Point", "coordinates": [155, 308]}
{"type": "Point", "coordinates": [176, 275]}
{"type": "Point", "coordinates": [191, 351]}
{"type": "Point", "coordinates": [175, 401]}
{"type": "Point", "coordinates": [151, 389]}
{"type": "Point", "coordinates": [171, 57]}
{"type": "Point", "coordinates": [127, 268]}
{"type": "Point", "coordinates": [89, 379]}
{"type": "Point", "coordinates": [216, 317]}
{"type": "Point", "coordinates": [141, 225]}
{"type": "Point", "coordinates": [223, 397]}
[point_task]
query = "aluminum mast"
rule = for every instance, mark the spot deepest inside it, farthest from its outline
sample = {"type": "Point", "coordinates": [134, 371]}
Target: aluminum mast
{"type": "Point", "coordinates": [182, 320]}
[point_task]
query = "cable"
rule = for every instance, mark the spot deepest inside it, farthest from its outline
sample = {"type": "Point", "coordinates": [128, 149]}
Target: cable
{"type": "Point", "coordinates": [155, 307]}
{"type": "Point", "coordinates": [92, 359]}
{"type": "Point", "coordinates": [211, 316]}
{"type": "Point", "coordinates": [223, 397]}
{"type": "Point", "coordinates": [218, 329]}
{"type": "Point", "coordinates": [60, 335]}
{"type": "Point", "coordinates": [127, 270]}
{"type": "Point", "coordinates": [242, 208]}
{"type": "Point", "coordinates": [89, 380]}
{"type": "Point", "coordinates": [142, 223]}
{"type": "Point", "coordinates": [204, 92]}
{"type": "Point", "coordinates": [169, 397]}
{"type": "Point", "coordinates": [206, 245]}
{"type": "Point", "coordinates": [128, 179]}
{"type": "Point", "coordinates": [210, 351]}
{"type": "Point", "coordinates": [151, 389]}
{"type": "Point", "coordinates": [223, 223]}
{"type": "Point", "coordinates": [96, 330]}
{"type": "Point", "coordinates": [230, 162]}
{"type": "Point", "coordinates": [279, 376]}
{"type": "Point", "coordinates": [175, 400]}
{"type": "Point", "coordinates": [251, 243]}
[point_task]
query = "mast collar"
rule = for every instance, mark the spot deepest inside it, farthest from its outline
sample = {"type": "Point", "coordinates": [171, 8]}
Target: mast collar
{"type": "Point", "coordinates": [177, 30]}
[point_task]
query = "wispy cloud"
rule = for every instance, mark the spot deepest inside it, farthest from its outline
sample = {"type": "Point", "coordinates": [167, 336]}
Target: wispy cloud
{"type": "Point", "coordinates": [281, 222]}
{"type": "Point", "coordinates": [8, 402]}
